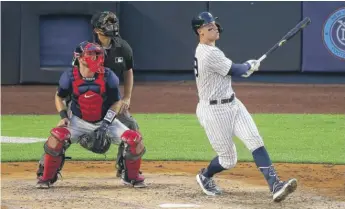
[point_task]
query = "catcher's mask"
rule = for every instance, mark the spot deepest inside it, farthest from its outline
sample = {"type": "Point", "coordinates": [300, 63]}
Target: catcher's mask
{"type": "Point", "coordinates": [92, 54]}
{"type": "Point", "coordinates": [106, 22]}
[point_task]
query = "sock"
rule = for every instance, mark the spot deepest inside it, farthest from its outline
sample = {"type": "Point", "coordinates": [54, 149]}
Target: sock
{"type": "Point", "coordinates": [213, 168]}
{"type": "Point", "coordinates": [263, 162]}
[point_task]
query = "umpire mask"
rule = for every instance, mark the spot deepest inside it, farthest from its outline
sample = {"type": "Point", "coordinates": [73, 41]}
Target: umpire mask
{"type": "Point", "coordinates": [106, 22]}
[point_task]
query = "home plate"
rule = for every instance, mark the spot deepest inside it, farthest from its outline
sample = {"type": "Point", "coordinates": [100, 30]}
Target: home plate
{"type": "Point", "coordinates": [172, 205]}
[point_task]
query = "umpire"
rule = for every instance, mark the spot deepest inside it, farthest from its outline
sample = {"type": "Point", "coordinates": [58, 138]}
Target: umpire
{"type": "Point", "coordinates": [119, 58]}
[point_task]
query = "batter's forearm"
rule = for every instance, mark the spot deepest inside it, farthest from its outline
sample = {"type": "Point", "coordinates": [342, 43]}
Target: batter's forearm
{"type": "Point", "coordinates": [128, 78]}
{"type": "Point", "coordinates": [238, 69]}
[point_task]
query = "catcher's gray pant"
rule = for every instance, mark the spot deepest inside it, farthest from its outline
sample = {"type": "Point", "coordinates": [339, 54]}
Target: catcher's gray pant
{"type": "Point", "coordinates": [125, 117]}
{"type": "Point", "coordinates": [78, 127]}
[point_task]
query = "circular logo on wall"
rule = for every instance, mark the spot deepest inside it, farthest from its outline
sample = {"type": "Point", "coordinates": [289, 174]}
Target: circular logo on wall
{"type": "Point", "coordinates": [334, 33]}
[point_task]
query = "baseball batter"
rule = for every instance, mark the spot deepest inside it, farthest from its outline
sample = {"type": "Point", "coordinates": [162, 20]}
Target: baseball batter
{"type": "Point", "coordinates": [95, 105]}
{"type": "Point", "coordinates": [222, 114]}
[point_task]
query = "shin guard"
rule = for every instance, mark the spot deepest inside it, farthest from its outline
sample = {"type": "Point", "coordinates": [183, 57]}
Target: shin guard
{"type": "Point", "coordinates": [133, 150]}
{"type": "Point", "coordinates": [54, 152]}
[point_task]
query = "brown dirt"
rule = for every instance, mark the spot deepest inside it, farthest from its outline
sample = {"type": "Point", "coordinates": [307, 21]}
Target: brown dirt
{"type": "Point", "coordinates": [93, 184]}
{"type": "Point", "coordinates": [181, 97]}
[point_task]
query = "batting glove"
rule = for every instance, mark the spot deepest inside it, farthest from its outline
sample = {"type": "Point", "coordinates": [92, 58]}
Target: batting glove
{"type": "Point", "coordinates": [254, 66]}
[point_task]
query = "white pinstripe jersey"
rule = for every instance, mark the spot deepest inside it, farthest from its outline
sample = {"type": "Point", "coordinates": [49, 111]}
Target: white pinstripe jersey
{"type": "Point", "coordinates": [211, 68]}
{"type": "Point", "coordinates": [222, 121]}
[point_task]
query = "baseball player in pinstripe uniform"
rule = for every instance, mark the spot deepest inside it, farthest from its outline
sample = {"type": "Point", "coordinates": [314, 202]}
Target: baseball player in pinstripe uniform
{"type": "Point", "coordinates": [223, 116]}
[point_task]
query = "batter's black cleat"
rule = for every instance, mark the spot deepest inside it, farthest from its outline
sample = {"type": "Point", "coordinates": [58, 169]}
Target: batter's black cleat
{"type": "Point", "coordinates": [281, 189]}
{"type": "Point", "coordinates": [208, 185]}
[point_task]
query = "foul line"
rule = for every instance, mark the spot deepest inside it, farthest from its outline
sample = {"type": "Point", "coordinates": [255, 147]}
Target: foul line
{"type": "Point", "coordinates": [20, 140]}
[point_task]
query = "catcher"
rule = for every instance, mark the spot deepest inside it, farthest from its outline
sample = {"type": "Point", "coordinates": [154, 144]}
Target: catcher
{"type": "Point", "coordinates": [95, 105]}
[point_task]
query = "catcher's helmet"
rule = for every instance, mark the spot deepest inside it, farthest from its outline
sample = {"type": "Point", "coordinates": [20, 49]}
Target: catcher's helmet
{"type": "Point", "coordinates": [92, 53]}
{"type": "Point", "coordinates": [202, 19]}
{"type": "Point", "coordinates": [107, 22]}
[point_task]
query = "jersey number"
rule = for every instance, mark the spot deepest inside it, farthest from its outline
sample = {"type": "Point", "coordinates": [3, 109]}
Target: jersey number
{"type": "Point", "coordinates": [196, 70]}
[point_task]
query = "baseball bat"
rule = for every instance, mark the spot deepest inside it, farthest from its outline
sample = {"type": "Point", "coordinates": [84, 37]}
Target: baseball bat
{"type": "Point", "coordinates": [306, 21]}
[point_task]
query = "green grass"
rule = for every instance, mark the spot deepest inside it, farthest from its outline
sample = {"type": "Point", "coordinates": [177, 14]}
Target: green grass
{"type": "Point", "coordinates": [287, 137]}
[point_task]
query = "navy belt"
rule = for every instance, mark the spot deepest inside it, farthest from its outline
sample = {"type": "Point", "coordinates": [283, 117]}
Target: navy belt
{"type": "Point", "coordinates": [223, 101]}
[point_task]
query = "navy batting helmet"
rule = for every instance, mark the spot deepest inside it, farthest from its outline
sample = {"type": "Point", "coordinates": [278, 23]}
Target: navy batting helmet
{"type": "Point", "coordinates": [202, 19]}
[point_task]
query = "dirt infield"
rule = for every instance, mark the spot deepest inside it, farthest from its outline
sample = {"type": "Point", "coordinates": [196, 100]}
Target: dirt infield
{"type": "Point", "coordinates": [181, 97]}
{"type": "Point", "coordinates": [94, 185]}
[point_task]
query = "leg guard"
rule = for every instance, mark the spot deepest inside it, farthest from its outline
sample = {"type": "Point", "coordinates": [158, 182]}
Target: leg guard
{"type": "Point", "coordinates": [127, 119]}
{"type": "Point", "coordinates": [40, 169]}
{"type": "Point", "coordinates": [132, 150]}
{"type": "Point", "coordinates": [54, 155]}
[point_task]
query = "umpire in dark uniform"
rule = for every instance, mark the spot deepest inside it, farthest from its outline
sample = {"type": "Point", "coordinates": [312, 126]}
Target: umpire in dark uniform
{"type": "Point", "coordinates": [119, 58]}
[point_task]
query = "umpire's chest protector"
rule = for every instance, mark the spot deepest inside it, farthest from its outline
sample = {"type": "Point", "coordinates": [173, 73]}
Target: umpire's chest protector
{"type": "Point", "coordinates": [89, 95]}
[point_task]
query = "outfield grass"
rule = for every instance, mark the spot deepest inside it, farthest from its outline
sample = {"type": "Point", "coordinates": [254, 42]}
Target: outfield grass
{"type": "Point", "coordinates": [287, 137]}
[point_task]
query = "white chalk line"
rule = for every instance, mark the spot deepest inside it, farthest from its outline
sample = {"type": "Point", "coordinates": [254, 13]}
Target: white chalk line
{"type": "Point", "coordinates": [174, 205]}
{"type": "Point", "coordinates": [20, 140]}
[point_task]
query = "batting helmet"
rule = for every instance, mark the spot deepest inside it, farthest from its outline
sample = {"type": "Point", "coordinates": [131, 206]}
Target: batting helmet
{"type": "Point", "coordinates": [107, 22]}
{"type": "Point", "coordinates": [202, 19]}
{"type": "Point", "coordinates": [92, 53]}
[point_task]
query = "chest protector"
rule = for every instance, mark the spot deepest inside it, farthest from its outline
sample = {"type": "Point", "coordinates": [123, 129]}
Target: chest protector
{"type": "Point", "coordinates": [89, 95]}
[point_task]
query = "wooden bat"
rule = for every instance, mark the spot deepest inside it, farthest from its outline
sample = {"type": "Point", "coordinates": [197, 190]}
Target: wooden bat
{"type": "Point", "coordinates": [306, 21]}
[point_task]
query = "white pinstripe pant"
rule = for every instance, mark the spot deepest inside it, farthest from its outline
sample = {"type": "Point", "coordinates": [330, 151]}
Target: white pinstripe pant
{"type": "Point", "coordinates": [223, 121]}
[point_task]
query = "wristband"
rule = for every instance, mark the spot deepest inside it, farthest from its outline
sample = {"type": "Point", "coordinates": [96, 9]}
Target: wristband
{"type": "Point", "coordinates": [63, 114]}
{"type": "Point", "coordinates": [110, 116]}
{"type": "Point", "coordinates": [248, 65]}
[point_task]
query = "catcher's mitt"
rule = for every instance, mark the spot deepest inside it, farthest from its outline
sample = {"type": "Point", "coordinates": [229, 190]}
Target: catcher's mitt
{"type": "Point", "coordinates": [90, 142]}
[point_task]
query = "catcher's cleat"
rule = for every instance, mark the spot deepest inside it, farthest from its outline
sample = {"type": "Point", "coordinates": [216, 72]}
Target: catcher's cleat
{"type": "Point", "coordinates": [139, 182]}
{"type": "Point", "coordinates": [43, 184]}
{"type": "Point", "coordinates": [40, 170]}
{"type": "Point", "coordinates": [281, 189]}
